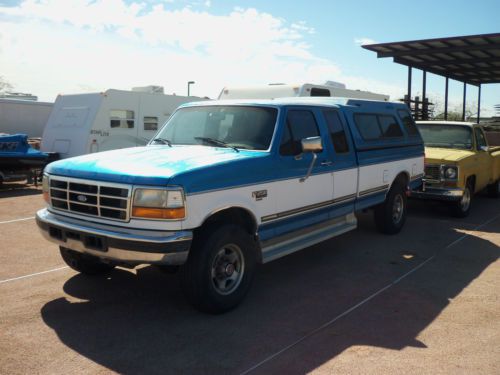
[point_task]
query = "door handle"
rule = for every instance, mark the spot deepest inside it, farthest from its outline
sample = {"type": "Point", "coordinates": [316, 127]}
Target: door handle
{"type": "Point", "coordinates": [326, 163]}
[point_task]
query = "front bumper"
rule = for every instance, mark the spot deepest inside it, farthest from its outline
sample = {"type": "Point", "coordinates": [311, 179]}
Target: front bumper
{"type": "Point", "coordinates": [115, 244]}
{"type": "Point", "coordinates": [439, 194]}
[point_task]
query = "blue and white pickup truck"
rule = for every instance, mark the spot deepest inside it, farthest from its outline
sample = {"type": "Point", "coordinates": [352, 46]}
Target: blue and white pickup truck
{"type": "Point", "coordinates": [226, 185]}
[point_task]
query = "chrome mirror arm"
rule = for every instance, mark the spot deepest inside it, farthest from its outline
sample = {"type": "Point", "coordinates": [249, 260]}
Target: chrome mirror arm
{"type": "Point", "coordinates": [309, 171]}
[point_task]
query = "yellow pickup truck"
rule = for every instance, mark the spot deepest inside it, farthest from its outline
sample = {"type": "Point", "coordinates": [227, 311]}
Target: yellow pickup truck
{"type": "Point", "coordinates": [458, 163]}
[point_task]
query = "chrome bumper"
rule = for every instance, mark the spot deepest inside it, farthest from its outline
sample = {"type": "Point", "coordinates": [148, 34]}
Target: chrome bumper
{"type": "Point", "coordinates": [440, 194]}
{"type": "Point", "coordinates": [116, 244]}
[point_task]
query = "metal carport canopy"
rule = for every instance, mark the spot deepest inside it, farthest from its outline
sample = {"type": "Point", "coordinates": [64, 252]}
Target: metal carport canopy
{"type": "Point", "coordinates": [471, 59]}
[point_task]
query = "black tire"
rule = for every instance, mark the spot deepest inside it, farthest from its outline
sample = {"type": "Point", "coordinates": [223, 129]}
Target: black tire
{"type": "Point", "coordinates": [494, 189]}
{"type": "Point", "coordinates": [84, 263]}
{"type": "Point", "coordinates": [462, 207]}
{"type": "Point", "coordinates": [220, 269]}
{"type": "Point", "coordinates": [390, 216]}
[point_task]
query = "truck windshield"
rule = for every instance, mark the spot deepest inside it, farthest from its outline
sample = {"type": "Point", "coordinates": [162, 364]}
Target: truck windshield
{"type": "Point", "coordinates": [242, 127]}
{"type": "Point", "coordinates": [446, 136]}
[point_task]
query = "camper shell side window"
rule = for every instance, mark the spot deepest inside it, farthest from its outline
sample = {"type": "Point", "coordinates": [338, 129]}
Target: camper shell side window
{"type": "Point", "coordinates": [373, 127]}
{"type": "Point", "coordinates": [122, 118]}
{"type": "Point", "coordinates": [409, 124]}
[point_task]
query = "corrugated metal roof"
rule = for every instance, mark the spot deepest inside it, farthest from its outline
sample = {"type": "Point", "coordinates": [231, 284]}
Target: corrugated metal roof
{"type": "Point", "coordinates": [474, 59]}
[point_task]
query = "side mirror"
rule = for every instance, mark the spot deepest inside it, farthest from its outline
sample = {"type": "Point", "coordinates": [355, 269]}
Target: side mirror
{"type": "Point", "coordinates": [313, 145]}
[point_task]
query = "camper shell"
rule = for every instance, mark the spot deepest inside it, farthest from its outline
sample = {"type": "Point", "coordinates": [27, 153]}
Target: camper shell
{"type": "Point", "coordinates": [282, 90]}
{"type": "Point", "coordinates": [85, 123]}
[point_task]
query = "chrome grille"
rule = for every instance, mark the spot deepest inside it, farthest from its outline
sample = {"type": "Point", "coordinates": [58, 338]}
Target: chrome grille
{"type": "Point", "coordinates": [92, 198]}
{"type": "Point", "coordinates": [433, 172]}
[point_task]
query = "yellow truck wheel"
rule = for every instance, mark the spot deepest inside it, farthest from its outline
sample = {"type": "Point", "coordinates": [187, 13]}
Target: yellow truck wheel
{"type": "Point", "coordinates": [462, 207]}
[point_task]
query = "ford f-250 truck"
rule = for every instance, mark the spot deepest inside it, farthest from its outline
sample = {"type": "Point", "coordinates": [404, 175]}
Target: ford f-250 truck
{"type": "Point", "coordinates": [458, 163]}
{"type": "Point", "coordinates": [226, 185]}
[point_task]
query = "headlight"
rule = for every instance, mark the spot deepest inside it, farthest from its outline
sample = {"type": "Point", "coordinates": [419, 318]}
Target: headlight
{"type": "Point", "coordinates": [45, 188]}
{"type": "Point", "coordinates": [158, 204]}
{"type": "Point", "coordinates": [450, 173]}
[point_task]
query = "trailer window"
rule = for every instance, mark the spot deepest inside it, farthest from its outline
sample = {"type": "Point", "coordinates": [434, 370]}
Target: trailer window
{"type": "Point", "coordinates": [122, 118]}
{"type": "Point", "coordinates": [150, 123]}
{"type": "Point", "coordinates": [320, 92]}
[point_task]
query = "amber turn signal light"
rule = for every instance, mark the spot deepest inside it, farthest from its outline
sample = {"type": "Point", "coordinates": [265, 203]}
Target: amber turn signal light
{"type": "Point", "coordinates": [159, 213]}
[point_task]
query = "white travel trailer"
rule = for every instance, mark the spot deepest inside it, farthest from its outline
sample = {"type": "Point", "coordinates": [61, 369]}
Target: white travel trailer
{"type": "Point", "coordinates": [24, 116]}
{"type": "Point", "coordinates": [85, 123]}
{"type": "Point", "coordinates": [282, 90]}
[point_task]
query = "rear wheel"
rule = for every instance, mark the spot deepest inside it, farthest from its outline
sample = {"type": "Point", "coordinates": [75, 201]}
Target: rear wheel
{"type": "Point", "coordinates": [462, 207]}
{"type": "Point", "coordinates": [220, 269]}
{"type": "Point", "coordinates": [83, 263]}
{"type": "Point", "coordinates": [390, 216]}
{"type": "Point", "coordinates": [494, 189]}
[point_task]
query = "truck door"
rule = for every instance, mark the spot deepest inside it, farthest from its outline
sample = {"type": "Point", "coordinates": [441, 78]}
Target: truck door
{"type": "Point", "coordinates": [484, 159]}
{"type": "Point", "coordinates": [343, 163]}
{"type": "Point", "coordinates": [301, 204]}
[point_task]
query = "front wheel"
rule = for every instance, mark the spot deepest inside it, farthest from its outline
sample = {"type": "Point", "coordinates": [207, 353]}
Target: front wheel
{"type": "Point", "coordinates": [83, 263]}
{"type": "Point", "coordinates": [462, 207]}
{"type": "Point", "coordinates": [390, 216]}
{"type": "Point", "coordinates": [220, 269]}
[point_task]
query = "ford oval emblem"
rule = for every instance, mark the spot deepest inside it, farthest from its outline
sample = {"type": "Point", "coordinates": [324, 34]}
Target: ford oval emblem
{"type": "Point", "coordinates": [81, 198]}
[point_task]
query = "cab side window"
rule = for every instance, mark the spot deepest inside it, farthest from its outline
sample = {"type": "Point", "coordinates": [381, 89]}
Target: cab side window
{"type": "Point", "coordinates": [299, 124]}
{"type": "Point", "coordinates": [480, 140]}
{"type": "Point", "coordinates": [336, 130]}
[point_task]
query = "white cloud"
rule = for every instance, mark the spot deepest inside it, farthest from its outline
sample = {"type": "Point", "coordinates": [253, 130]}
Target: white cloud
{"type": "Point", "coordinates": [69, 46]}
{"type": "Point", "coordinates": [363, 41]}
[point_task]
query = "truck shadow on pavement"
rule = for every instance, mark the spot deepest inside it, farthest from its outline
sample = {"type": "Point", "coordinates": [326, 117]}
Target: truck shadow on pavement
{"type": "Point", "coordinates": [10, 190]}
{"type": "Point", "coordinates": [140, 323]}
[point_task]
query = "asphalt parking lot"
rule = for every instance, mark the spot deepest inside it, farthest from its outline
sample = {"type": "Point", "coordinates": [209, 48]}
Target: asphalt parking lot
{"type": "Point", "coordinates": [425, 301]}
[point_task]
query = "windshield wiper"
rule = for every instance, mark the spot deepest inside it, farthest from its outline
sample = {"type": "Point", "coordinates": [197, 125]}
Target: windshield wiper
{"type": "Point", "coordinates": [216, 142]}
{"type": "Point", "coordinates": [163, 141]}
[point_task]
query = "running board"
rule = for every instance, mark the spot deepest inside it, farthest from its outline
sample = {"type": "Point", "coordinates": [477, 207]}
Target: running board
{"type": "Point", "coordinates": [292, 242]}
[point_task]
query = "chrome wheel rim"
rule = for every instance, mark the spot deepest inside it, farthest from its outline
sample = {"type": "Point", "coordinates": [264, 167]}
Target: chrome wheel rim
{"type": "Point", "coordinates": [228, 268]}
{"type": "Point", "coordinates": [465, 201]}
{"type": "Point", "coordinates": [397, 209]}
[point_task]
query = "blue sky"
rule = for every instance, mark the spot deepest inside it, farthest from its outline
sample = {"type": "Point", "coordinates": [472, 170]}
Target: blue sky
{"type": "Point", "coordinates": [70, 46]}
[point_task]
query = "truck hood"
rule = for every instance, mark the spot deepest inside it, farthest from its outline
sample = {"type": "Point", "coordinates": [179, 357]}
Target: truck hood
{"type": "Point", "coordinates": [151, 165]}
{"type": "Point", "coordinates": [442, 155]}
